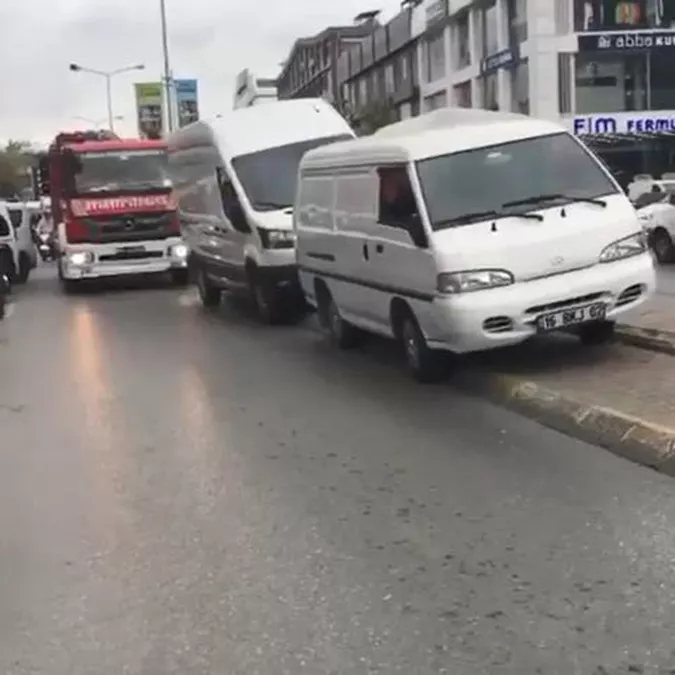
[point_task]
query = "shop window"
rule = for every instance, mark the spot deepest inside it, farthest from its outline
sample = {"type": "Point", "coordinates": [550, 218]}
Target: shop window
{"type": "Point", "coordinates": [520, 88]}
{"type": "Point", "coordinates": [608, 82]}
{"type": "Point", "coordinates": [489, 85]}
{"type": "Point", "coordinates": [592, 15]}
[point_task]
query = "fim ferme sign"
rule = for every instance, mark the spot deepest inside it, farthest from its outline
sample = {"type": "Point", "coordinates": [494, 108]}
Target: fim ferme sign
{"type": "Point", "coordinates": [624, 123]}
{"type": "Point", "coordinates": [149, 109]}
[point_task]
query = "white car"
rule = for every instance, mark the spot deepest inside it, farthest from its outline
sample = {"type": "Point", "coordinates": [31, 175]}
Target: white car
{"type": "Point", "coordinates": [658, 220]}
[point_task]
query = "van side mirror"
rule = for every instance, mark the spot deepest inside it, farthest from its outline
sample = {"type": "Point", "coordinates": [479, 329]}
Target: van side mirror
{"type": "Point", "coordinates": [416, 231]}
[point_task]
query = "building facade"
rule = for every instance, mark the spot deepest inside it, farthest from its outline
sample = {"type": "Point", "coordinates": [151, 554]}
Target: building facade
{"type": "Point", "coordinates": [379, 76]}
{"type": "Point", "coordinates": [310, 69]}
{"type": "Point", "coordinates": [250, 90]}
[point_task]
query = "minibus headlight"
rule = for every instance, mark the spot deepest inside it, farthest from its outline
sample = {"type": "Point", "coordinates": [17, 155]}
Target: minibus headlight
{"type": "Point", "coordinates": [625, 248]}
{"type": "Point", "coordinates": [80, 258]}
{"type": "Point", "coordinates": [277, 238]}
{"type": "Point", "coordinates": [472, 280]}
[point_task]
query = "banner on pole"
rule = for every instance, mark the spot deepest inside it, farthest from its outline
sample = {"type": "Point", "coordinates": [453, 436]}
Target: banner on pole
{"type": "Point", "coordinates": [186, 101]}
{"type": "Point", "coordinates": [149, 109]}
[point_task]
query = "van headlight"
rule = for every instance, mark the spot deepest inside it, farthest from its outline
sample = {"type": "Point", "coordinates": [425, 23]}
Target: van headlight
{"type": "Point", "coordinates": [625, 248]}
{"type": "Point", "coordinates": [179, 251]}
{"type": "Point", "coordinates": [80, 258]}
{"type": "Point", "coordinates": [277, 238]}
{"type": "Point", "coordinates": [472, 280]}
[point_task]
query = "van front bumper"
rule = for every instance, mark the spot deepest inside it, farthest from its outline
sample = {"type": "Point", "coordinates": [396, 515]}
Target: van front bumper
{"type": "Point", "coordinates": [109, 260]}
{"type": "Point", "coordinates": [506, 316]}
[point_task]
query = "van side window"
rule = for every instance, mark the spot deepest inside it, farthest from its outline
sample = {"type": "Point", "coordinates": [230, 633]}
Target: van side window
{"type": "Point", "coordinates": [4, 227]}
{"type": "Point", "coordinates": [230, 201]}
{"type": "Point", "coordinates": [397, 205]}
{"type": "Point", "coordinates": [16, 216]}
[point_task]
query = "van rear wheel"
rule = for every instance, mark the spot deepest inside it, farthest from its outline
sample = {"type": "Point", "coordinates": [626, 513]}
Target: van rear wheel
{"type": "Point", "coordinates": [342, 333]}
{"type": "Point", "coordinates": [427, 365]}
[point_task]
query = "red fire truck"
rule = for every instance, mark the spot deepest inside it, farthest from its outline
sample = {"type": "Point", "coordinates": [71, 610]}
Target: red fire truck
{"type": "Point", "coordinates": [113, 207]}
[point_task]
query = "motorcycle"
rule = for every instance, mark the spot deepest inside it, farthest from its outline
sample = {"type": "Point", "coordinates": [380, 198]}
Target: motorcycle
{"type": "Point", "coordinates": [5, 288]}
{"type": "Point", "coordinates": [45, 248]}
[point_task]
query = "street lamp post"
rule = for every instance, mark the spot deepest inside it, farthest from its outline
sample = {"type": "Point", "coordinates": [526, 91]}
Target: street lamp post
{"type": "Point", "coordinates": [168, 79]}
{"type": "Point", "coordinates": [108, 76]}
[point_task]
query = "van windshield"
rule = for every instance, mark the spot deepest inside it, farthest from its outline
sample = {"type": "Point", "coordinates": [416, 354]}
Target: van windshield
{"type": "Point", "coordinates": [513, 177]}
{"type": "Point", "coordinates": [269, 177]}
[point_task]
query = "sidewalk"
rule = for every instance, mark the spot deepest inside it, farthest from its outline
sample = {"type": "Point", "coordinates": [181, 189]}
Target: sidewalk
{"type": "Point", "coordinates": [616, 396]}
{"type": "Point", "coordinates": [651, 326]}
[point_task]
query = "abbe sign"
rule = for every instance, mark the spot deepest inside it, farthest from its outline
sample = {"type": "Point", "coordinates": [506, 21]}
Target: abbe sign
{"type": "Point", "coordinates": [627, 41]}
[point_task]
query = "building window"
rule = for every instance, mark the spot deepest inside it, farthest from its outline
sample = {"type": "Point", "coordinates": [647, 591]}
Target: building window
{"type": "Point", "coordinates": [490, 92]}
{"type": "Point", "coordinates": [487, 34]}
{"type": "Point", "coordinates": [565, 83]}
{"type": "Point", "coordinates": [592, 15]}
{"type": "Point", "coordinates": [436, 101]}
{"type": "Point", "coordinates": [517, 18]}
{"type": "Point", "coordinates": [609, 82]}
{"type": "Point", "coordinates": [462, 94]}
{"type": "Point", "coordinates": [363, 90]}
{"type": "Point", "coordinates": [404, 68]}
{"type": "Point", "coordinates": [520, 88]}
{"type": "Point", "coordinates": [389, 79]}
{"type": "Point", "coordinates": [461, 43]}
{"type": "Point", "coordinates": [435, 58]}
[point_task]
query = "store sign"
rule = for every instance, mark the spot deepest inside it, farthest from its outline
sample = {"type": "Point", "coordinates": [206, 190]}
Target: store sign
{"type": "Point", "coordinates": [624, 123]}
{"type": "Point", "coordinates": [502, 59]}
{"type": "Point", "coordinates": [628, 41]}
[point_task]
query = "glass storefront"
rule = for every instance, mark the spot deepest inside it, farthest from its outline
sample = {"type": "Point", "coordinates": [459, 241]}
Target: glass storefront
{"type": "Point", "coordinates": [619, 81]}
{"type": "Point", "coordinates": [603, 15]}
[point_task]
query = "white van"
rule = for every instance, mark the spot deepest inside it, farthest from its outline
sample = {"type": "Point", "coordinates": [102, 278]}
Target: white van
{"type": "Point", "coordinates": [235, 179]}
{"type": "Point", "coordinates": [9, 256]}
{"type": "Point", "coordinates": [465, 230]}
{"type": "Point", "coordinates": [27, 255]}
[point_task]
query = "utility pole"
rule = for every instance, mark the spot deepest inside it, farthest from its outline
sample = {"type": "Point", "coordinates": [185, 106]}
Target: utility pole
{"type": "Point", "coordinates": [168, 79]}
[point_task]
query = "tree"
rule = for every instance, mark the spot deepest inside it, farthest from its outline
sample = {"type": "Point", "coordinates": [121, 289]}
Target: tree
{"type": "Point", "coordinates": [16, 159]}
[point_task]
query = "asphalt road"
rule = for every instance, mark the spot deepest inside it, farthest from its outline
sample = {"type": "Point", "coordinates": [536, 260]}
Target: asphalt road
{"type": "Point", "coordinates": [666, 280]}
{"type": "Point", "coordinates": [196, 494]}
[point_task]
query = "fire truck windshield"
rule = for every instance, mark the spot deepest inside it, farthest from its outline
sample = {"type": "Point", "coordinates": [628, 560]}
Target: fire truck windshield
{"type": "Point", "coordinates": [122, 171]}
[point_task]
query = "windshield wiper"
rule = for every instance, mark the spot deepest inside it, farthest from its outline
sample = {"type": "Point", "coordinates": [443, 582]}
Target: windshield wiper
{"type": "Point", "coordinates": [474, 216]}
{"type": "Point", "coordinates": [272, 205]}
{"type": "Point", "coordinates": [538, 199]}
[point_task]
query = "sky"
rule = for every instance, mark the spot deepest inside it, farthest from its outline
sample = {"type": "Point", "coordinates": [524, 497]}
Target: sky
{"type": "Point", "coordinates": [210, 40]}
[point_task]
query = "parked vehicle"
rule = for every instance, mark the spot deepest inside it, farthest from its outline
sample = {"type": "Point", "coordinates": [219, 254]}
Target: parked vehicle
{"type": "Point", "coordinates": [455, 232]}
{"type": "Point", "coordinates": [235, 179]}
{"type": "Point", "coordinates": [20, 216]}
{"type": "Point", "coordinates": [656, 211]}
{"type": "Point", "coordinates": [113, 207]}
{"type": "Point", "coordinates": [9, 249]}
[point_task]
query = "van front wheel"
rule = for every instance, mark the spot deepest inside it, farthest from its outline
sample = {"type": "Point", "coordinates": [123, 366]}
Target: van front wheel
{"type": "Point", "coordinates": [426, 364]}
{"type": "Point", "coordinates": [267, 298]}
{"type": "Point", "coordinates": [209, 294]}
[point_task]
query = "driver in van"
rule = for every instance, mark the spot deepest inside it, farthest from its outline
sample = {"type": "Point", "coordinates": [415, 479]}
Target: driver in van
{"type": "Point", "coordinates": [397, 199]}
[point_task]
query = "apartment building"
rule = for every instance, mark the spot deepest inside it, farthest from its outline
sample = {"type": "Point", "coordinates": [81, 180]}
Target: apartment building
{"type": "Point", "coordinates": [381, 71]}
{"type": "Point", "coordinates": [310, 68]}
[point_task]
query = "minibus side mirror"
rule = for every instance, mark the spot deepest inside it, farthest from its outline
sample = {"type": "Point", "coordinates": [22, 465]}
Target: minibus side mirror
{"type": "Point", "coordinates": [416, 231]}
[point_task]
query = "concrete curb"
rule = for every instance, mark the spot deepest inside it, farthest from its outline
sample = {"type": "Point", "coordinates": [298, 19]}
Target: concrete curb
{"type": "Point", "coordinates": [647, 338]}
{"type": "Point", "coordinates": [635, 439]}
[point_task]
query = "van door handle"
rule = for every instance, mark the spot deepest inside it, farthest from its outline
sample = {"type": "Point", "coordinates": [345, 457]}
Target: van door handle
{"type": "Point", "coordinates": [365, 252]}
{"type": "Point", "coordinates": [379, 248]}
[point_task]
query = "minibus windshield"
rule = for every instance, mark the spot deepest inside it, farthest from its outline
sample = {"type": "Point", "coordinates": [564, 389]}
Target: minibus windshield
{"type": "Point", "coordinates": [512, 177]}
{"type": "Point", "coordinates": [269, 177]}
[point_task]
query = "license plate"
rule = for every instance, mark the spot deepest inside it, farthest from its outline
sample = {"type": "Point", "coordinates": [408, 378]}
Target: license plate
{"type": "Point", "coordinates": [571, 317]}
{"type": "Point", "coordinates": [131, 249]}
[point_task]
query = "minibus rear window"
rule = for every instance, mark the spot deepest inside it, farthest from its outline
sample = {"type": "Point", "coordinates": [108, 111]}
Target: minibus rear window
{"type": "Point", "coordinates": [485, 179]}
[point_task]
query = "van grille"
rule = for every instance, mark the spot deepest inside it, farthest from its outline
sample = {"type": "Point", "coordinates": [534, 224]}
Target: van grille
{"type": "Point", "coordinates": [563, 304]}
{"type": "Point", "coordinates": [498, 324]}
{"type": "Point", "coordinates": [630, 294]}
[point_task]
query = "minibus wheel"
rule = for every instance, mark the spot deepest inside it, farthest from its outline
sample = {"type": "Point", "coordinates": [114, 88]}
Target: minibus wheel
{"type": "Point", "coordinates": [341, 333]}
{"type": "Point", "coordinates": [426, 364]}
{"type": "Point", "coordinates": [209, 294]}
{"type": "Point", "coordinates": [267, 298]}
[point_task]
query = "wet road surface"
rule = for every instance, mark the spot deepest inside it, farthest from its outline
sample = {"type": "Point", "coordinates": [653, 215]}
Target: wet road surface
{"type": "Point", "coordinates": [666, 280]}
{"type": "Point", "coordinates": [196, 494]}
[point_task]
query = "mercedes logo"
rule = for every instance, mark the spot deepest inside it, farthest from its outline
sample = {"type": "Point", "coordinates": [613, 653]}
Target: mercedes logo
{"type": "Point", "coordinates": [129, 224]}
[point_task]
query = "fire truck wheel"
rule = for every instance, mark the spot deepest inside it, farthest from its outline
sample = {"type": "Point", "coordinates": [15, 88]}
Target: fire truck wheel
{"type": "Point", "coordinates": [180, 277]}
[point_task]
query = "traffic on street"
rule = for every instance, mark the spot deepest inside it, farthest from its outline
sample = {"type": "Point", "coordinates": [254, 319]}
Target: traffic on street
{"type": "Point", "coordinates": [192, 492]}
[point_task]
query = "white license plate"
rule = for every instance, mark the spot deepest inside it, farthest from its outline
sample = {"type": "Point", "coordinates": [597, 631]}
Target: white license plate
{"type": "Point", "coordinates": [571, 317]}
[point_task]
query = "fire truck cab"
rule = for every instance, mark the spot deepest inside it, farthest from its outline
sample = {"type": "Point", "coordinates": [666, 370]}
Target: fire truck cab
{"type": "Point", "coordinates": [113, 207]}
